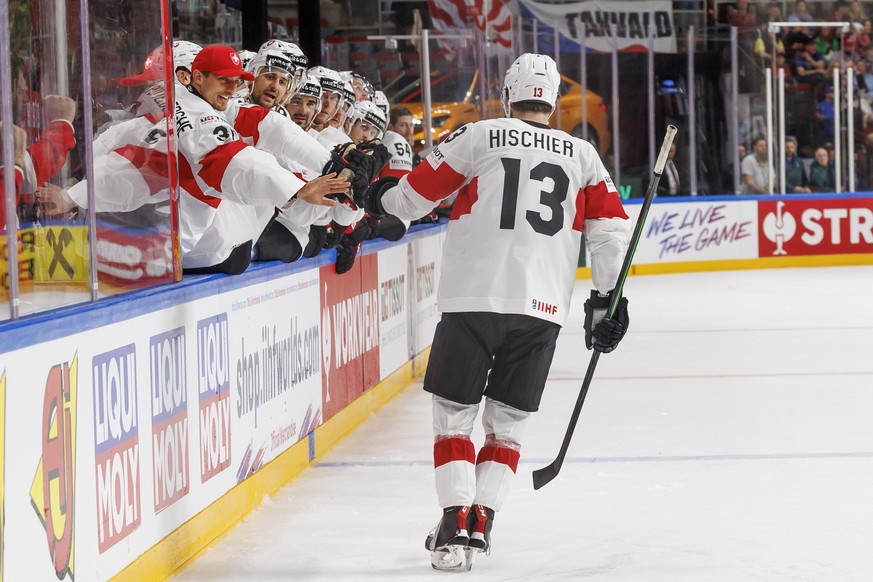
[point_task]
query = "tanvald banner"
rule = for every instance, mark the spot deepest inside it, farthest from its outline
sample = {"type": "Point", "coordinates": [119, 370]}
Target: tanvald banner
{"type": "Point", "coordinates": [634, 22]}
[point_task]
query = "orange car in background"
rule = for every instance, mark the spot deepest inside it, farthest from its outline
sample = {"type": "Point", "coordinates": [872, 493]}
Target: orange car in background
{"type": "Point", "coordinates": [455, 101]}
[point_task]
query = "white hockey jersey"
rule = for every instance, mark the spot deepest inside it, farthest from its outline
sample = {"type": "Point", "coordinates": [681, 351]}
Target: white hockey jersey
{"type": "Point", "coordinates": [525, 193]}
{"type": "Point", "coordinates": [230, 190]}
{"type": "Point", "coordinates": [401, 155]}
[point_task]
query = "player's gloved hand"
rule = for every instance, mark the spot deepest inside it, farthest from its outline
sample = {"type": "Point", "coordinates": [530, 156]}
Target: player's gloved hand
{"type": "Point", "coordinates": [378, 151]}
{"type": "Point", "coordinates": [333, 234]}
{"type": "Point", "coordinates": [373, 198]}
{"type": "Point", "coordinates": [603, 334]}
{"type": "Point", "coordinates": [389, 227]}
{"type": "Point", "coordinates": [347, 162]}
{"type": "Point", "coordinates": [317, 239]}
{"type": "Point", "coordinates": [349, 246]}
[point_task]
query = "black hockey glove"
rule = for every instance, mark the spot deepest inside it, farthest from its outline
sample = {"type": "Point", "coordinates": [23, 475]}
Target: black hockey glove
{"type": "Point", "coordinates": [349, 246]}
{"type": "Point", "coordinates": [317, 239]}
{"type": "Point", "coordinates": [373, 198]}
{"type": "Point", "coordinates": [602, 334]}
{"type": "Point", "coordinates": [377, 149]}
{"type": "Point", "coordinates": [347, 162]}
{"type": "Point", "coordinates": [333, 235]}
{"type": "Point", "coordinates": [388, 227]}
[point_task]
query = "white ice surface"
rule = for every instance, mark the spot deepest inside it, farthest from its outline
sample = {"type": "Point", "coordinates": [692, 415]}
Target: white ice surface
{"type": "Point", "coordinates": [729, 438]}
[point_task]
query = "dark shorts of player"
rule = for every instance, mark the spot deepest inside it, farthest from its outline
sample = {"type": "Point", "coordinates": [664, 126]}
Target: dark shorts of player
{"type": "Point", "coordinates": [517, 350]}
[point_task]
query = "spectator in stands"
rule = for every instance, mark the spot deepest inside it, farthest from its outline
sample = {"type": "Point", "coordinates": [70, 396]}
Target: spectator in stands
{"type": "Point", "coordinates": [800, 14]}
{"type": "Point", "coordinates": [745, 18]}
{"type": "Point", "coordinates": [825, 115]}
{"type": "Point", "coordinates": [826, 42]}
{"type": "Point", "coordinates": [863, 39]}
{"type": "Point", "coordinates": [856, 12]}
{"type": "Point", "coordinates": [764, 44]}
{"type": "Point", "coordinates": [840, 13]}
{"type": "Point", "coordinates": [809, 65]}
{"type": "Point", "coordinates": [774, 12]}
{"type": "Point", "coordinates": [781, 63]}
{"type": "Point", "coordinates": [756, 169]}
{"type": "Point", "coordinates": [841, 59]}
{"type": "Point", "coordinates": [822, 175]}
{"type": "Point", "coordinates": [796, 181]}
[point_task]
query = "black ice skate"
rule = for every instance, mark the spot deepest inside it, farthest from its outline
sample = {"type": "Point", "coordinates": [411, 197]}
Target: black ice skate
{"type": "Point", "coordinates": [481, 522]}
{"type": "Point", "coordinates": [449, 539]}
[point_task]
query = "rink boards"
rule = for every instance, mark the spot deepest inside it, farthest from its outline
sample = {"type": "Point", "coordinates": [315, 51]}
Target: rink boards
{"type": "Point", "coordinates": [124, 421]}
{"type": "Point", "coordinates": [725, 232]}
{"type": "Point", "coordinates": [140, 428]}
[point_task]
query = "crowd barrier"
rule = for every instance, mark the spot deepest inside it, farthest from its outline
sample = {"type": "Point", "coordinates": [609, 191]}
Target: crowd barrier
{"type": "Point", "coordinates": [138, 429]}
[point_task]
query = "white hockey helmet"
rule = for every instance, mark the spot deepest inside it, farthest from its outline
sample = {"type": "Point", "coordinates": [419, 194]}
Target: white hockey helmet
{"type": "Point", "coordinates": [360, 83]}
{"type": "Point", "coordinates": [184, 53]}
{"type": "Point", "coordinates": [382, 102]}
{"type": "Point", "coordinates": [277, 63]}
{"type": "Point", "coordinates": [289, 49]}
{"type": "Point", "coordinates": [330, 82]}
{"type": "Point", "coordinates": [246, 57]}
{"type": "Point", "coordinates": [368, 112]}
{"type": "Point", "coordinates": [311, 88]}
{"type": "Point", "coordinates": [532, 77]}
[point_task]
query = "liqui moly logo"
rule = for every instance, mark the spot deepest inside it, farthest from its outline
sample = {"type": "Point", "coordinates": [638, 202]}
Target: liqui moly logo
{"type": "Point", "coordinates": [116, 438]}
{"type": "Point", "coordinates": [213, 387]}
{"type": "Point", "coordinates": [169, 402]}
{"type": "Point", "coordinates": [53, 491]}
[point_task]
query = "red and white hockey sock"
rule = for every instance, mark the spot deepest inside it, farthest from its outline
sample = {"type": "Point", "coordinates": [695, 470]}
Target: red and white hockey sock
{"type": "Point", "coordinates": [498, 459]}
{"type": "Point", "coordinates": [454, 456]}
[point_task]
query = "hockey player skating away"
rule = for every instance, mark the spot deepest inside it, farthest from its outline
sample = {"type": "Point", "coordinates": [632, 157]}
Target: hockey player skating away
{"type": "Point", "coordinates": [526, 193]}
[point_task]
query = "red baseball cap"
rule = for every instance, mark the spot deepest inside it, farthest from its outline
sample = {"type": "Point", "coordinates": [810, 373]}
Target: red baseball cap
{"type": "Point", "coordinates": [220, 60]}
{"type": "Point", "coordinates": [152, 71]}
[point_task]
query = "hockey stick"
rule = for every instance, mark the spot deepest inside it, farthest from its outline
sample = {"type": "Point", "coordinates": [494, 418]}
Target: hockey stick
{"type": "Point", "coordinates": [549, 472]}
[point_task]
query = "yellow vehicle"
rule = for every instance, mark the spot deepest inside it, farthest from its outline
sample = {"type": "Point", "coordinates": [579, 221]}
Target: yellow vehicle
{"type": "Point", "coordinates": [455, 101]}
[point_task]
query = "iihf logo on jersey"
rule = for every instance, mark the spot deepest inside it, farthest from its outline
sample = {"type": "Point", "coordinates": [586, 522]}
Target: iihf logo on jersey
{"type": "Point", "coordinates": [537, 305]}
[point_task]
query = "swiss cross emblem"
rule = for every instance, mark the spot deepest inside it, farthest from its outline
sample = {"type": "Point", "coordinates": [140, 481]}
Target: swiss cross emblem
{"type": "Point", "coordinates": [234, 58]}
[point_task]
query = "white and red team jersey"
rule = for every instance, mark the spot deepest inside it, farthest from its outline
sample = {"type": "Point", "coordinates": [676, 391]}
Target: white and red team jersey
{"type": "Point", "coordinates": [331, 137]}
{"type": "Point", "coordinates": [525, 194]}
{"type": "Point", "coordinates": [231, 189]}
{"type": "Point", "coordinates": [400, 163]}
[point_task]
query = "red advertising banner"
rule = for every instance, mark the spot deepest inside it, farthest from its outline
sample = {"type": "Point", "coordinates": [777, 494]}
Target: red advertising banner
{"type": "Point", "coordinates": [349, 332]}
{"type": "Point", "coordinates": [815, 227]}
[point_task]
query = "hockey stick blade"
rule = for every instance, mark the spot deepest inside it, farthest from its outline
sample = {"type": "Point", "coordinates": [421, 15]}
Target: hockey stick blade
{"type": "Point", "coordinates": [543, 476]}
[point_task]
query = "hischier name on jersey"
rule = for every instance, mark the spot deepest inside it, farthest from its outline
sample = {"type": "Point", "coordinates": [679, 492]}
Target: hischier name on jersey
{"type": "Point", "coordinates": [501, 138]}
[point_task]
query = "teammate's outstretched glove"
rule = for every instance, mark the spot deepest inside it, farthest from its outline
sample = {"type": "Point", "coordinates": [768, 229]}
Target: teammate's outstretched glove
{"type": "Point", "coordinates": [378, 151]}
{"type": "Point", "coordinates": [373, 198]}
{"type": "Point", "coordinates": [602, 334]}
{"type": "Point", "coordinates": [358, 167]}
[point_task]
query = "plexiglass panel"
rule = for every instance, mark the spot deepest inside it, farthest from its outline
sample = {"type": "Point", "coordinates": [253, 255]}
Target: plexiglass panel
{"type": "Point", "coordinates": [131, 173]}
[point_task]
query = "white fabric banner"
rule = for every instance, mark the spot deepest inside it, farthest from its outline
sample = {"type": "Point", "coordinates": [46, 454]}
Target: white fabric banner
{"type": "Point", "coordinates": [633, 20]}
